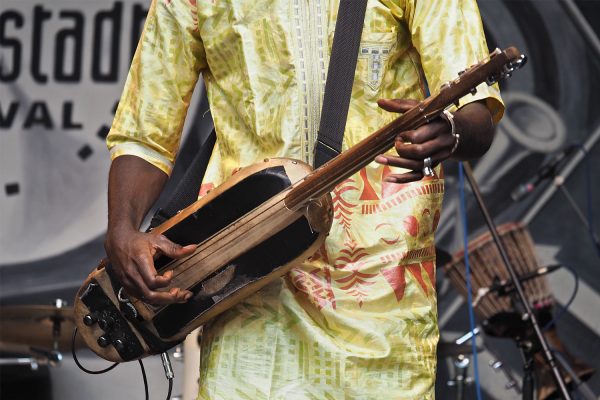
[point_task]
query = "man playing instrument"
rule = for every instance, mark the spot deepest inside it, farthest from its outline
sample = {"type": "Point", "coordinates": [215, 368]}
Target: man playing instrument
{"type": "Point", "coordinates": [358, 319]}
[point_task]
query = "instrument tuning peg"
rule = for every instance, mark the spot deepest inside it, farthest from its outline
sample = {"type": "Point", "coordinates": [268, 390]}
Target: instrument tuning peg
{"type": "Point", "coordinates": [520, 63]}
{"type": "Point", "coordinates": [492, 80]}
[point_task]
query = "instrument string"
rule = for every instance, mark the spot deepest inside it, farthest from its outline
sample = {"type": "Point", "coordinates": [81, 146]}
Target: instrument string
{"type": "Point", "coordinates": [228, 237]}
{"type": "Point", "coordinates": [182, 267]}
{"type": "Point", "coordinates": [339, 167]}
{"type": "Point", "coordinates": [202, 253]}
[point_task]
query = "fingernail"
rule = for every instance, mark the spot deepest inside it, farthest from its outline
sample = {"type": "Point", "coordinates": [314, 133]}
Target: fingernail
{"type": "Point", "coordinates": [381, 160]}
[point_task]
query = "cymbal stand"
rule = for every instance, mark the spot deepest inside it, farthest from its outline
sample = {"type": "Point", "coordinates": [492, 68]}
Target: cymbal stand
{"type": "Point", "coordinates": [33, 362]}
{"type": "Point", "coordinates": [528, 314]}
{"type": "Point", "coordinates": [56, 322]}
{"type": "Point", "coordinates": [51, 358]}
{"type": "Point", "coordinates": [527, 353]}
{"type": "Point", "coordinates": [461, 378]}
{"type": "Point", "coordinates": [461, 366]}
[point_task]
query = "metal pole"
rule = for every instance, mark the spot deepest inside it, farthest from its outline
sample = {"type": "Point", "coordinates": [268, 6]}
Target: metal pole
{"type": "Point", "coordinates": [529, 315]}
{"type": "Point", "coordinates": [582, 25]}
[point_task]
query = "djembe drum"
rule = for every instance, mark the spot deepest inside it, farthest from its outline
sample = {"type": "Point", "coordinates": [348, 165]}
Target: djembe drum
{"type": "Point", "coordinates": [500, 313]}
{"type": "Point", "coordinates": [487, 269]}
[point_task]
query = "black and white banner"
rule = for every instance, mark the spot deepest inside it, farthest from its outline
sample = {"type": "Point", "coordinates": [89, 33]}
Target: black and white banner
{"type": "Point", "coordinates": [62, 68]}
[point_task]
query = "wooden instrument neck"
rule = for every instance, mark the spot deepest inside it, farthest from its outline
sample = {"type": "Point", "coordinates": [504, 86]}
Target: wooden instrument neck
{"type": "Point", "coordinates": [325, 178]}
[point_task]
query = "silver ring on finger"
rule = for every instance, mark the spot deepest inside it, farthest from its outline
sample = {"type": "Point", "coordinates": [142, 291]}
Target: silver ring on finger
{"type": "Point", "coordinates": [427, 170]}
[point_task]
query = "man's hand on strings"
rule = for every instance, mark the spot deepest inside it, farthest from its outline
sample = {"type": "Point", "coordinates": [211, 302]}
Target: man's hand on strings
{"type": "Point", "coordinates": [435, 140]}
{"type": "Point", "coordinates": [430, 140]}
{"type": "Point", "coordinates": [132, 255]}
{"type": "Point", "coordinates": [133, 186]}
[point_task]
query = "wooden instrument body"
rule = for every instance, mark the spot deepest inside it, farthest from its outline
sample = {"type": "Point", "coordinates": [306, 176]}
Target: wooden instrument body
{"type": "Point", "coordinates": [247, 238]}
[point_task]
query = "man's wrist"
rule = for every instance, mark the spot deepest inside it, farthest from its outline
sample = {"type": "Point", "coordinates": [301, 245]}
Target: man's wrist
{"type": "Point", "coordinates": [474, 124]}
{"type": "Point", "coordinates": [123, 227]}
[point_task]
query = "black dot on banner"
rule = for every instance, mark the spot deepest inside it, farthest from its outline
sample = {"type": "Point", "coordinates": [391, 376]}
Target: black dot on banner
{"type": "Point", "coordinates": [85, 152]}
{"type": "Point", "coordinates": [11, 189]}
{"type": "Point", "coordinates": [103, 132]}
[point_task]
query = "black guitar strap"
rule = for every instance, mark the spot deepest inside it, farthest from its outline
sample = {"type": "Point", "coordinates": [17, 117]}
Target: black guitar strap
{"type": "Point", "coordinates": [186, 191]}
{"type": "Point", "coordinates": [340, 77]}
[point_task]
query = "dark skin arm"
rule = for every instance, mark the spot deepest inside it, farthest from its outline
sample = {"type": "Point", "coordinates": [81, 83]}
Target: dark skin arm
{"type": "Point", "coordinates": [473, 123]}
{"type": "Point", "coordinates": [133, 186]}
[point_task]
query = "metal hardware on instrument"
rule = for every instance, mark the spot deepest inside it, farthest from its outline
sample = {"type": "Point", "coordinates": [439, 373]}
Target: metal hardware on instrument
{"type": "Point", "coordinates": [507, 70]}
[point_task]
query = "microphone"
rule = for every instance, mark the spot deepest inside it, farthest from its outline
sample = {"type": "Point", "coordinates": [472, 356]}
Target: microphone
{"type": "Point", "coordinates": [544, 172]}
{"type": "Point", "coordinates": [506, 287]}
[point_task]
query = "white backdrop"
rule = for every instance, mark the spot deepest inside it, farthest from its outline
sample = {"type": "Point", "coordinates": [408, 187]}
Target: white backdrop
{"type": "Point", "coordinates": [62, 71]}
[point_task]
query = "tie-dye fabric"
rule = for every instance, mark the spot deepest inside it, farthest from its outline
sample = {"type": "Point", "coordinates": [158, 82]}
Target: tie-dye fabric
{"type": "Point", "coordinates": [357, 320]}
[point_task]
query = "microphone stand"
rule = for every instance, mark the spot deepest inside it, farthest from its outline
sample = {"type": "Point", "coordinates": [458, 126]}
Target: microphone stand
{"type": "Point", "coordinates": [543, 199]}
{"type": "Point", "coordinates": [528, 314]}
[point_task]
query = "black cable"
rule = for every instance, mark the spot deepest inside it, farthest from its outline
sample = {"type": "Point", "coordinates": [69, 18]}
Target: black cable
{"type": "Point", "coordinates": [81, 367]}
{"type": "Point", "coordinates": [170, 388]}
{"type": "Point", "coordinates": [563, 309]}
{"type": "Point", "coordinates": [145, 379]}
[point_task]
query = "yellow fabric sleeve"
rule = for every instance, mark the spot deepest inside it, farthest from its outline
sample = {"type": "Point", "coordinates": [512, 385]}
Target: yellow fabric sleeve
{"type": "Point", "coordinates": [163, 73]}
{"type": "Point", "coordinates": [448, 35]}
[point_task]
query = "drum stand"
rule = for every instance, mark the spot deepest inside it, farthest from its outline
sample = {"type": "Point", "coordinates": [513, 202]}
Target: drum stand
{"type": "Point", "coordinates": [458, 351]}
{"type": "Point", "coordinates": [528, 314]}
{"type": "Point", "coordinates": [527, 353]}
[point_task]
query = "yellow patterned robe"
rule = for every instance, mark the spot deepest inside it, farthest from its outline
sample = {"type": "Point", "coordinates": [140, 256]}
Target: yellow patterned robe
{"type": "Point", "coordinates": [357, 321]}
